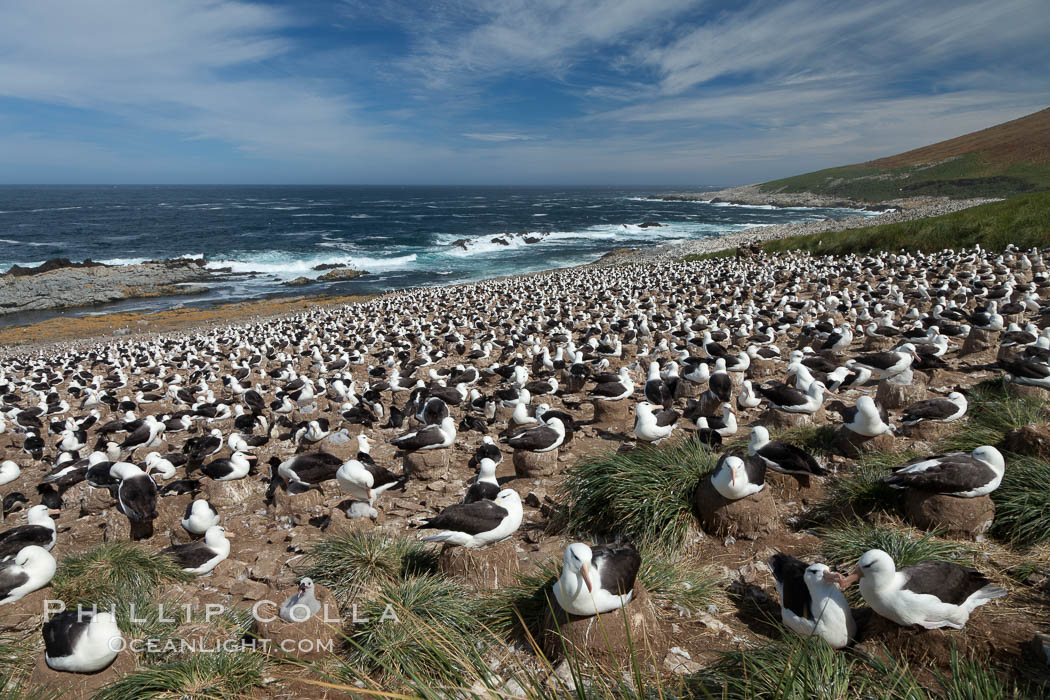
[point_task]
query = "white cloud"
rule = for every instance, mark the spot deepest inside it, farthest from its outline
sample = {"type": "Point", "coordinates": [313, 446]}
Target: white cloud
{"type": "Point", "coordinates": [200, 68]}
{"type": "Point", "coordinates": [498, 137]}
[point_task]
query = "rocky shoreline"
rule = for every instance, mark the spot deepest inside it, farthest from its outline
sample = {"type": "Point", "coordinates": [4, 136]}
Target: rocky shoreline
{"type": "Point", "coordinates": [752, 195]}
{"type": "Point", "coordinates": [900, 210]}
{"type": "Point", "coordinates": [61, 286]}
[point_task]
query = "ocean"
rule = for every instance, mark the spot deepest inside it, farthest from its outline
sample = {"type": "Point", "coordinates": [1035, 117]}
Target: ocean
{"type": "Point", "coordinates": [402, 236]}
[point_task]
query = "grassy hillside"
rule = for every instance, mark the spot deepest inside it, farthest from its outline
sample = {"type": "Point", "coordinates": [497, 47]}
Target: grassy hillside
{"type": "Point", "coordinates": [1023, 221]}
{"type": "Point", "coordinates": [1000, 161]}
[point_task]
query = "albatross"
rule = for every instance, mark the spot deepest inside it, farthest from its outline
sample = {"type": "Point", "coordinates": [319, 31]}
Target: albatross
{"type": "Point", "coordinates": [811, 604]}
{"type": "Point", "coordinates": [955, 474]}
{"type": "Point", "coordinates": [939, 410]}
{"type": "Point", "coordinates": [781, 456]}
{"type": "Point", "coordinates": [596, 580]}
{"type": "Point", "coordinates": [477, 524]}
{"type": "Point", "coordinates": [932, 594]}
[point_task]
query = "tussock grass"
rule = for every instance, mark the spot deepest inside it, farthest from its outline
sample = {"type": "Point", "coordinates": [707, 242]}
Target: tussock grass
{"type": "Point", "coordinates": [844, 543]}
{"type": "Point", "coordinates": [111, 570]}
{"type": "Point", "coordinates": [815, 439]}
{"type": "Point", "coordinates": [348, 563]}
{"type": "Point", "coordinates": [17, 657]}
{"type": "Point", "coordinates": [517, 610]}
{"type": "Point", "coordinates": [1022, 502]}
{"type": "Point", "coordinates": [197, 676]}
{"type": "Point", "coordinates": [801, 669]}
{"type": "Point", "coordinates": [973, 680]}
{"type": "Point", "coordinates": [436, 640]}
{"type": "Point", "coordinates": [993, 412]}
{"type": "Point", "coordinates": [645, 494]}
{"type": "Point", "coordinates": [1023, 221]}
{"type": "Point", "coordinates": [862, 490]}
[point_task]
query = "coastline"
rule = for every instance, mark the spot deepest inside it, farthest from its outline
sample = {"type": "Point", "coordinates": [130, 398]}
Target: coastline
{"type": "Point", "coordinates": [902, 210]}
{"type": "Point", "coordinates": [71, 330]}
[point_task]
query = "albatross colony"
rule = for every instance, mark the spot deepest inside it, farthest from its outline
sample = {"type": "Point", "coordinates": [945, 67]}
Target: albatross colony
{"type": "Point", "coordinates": [256, 429]}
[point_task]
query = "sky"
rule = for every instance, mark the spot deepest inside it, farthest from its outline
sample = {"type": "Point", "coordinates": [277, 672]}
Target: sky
{"type": "Point", "coordinates": [524, 92]}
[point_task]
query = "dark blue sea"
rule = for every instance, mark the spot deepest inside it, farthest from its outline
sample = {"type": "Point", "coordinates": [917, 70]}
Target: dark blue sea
{"type": "Point", "coordinates": [401, 236]}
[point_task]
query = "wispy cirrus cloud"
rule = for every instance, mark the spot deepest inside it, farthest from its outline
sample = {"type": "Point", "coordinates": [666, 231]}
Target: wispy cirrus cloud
{"type": "Point", "coordinates": [478, 91]}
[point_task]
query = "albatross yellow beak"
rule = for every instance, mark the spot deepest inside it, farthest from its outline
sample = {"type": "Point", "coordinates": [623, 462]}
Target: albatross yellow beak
{"type": "Point", "coordinates": [585, 571]}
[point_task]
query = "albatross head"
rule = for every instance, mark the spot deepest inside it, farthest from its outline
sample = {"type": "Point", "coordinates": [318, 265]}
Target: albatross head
{"type": "Point", "coordinates": [818, 574]}
{"type": "Point", "coordinates": [874, 564]}
{"type": "Point", "coordinates": [578, 561]}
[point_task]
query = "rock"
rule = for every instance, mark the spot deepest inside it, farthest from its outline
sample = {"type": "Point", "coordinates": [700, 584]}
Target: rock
{"type": "Point", "coordinates": [879, 343]}
{"type": "Point", "coordinates": [1032, 439]}
{"type": "Point", "coordinates": [746, 518]}
{"type": "Point", "coordinates": [678, 662]}
{"type": "Point", "coordinates": [760, 368]}
{"type": "Point", "coordinates": [486, 568]}
{"type": "Point", "coordinates": [301, 506]}
{"type": "Point", "coordinates": [500, 241]}
{"type": "Point", "coordinates": [617, 416]}
{"type": "Point", "coordinates": [48, 266]}
{"type": "Point", "coordinates": [930, 430]}
{"type": "Point", "coordinates": [79, 686]}
{"type": "Point", "coordinates": [1035, 392]}
{"type": "Point", "coordinates": [791, 487]}
{"type": "Point", "coordinates": [535, 463]}
{"type": "Point", "coordinates": [893, 396]}
{"type": "Point", "coordinates": [650, 224]}
{"type": "Point", "coordinates": [849, 444]}
{"type": "Point", "coordinates": [776, 419]}
{"type": "Point", "coordinates": [606, 640]}
{"type": "Point", "coordinates": [312, 639]}
{"type": "Point", "coordinates": [298, 282]}
{"type": "Point", "coordinates": [427, 465]}
{"type": "Point", "coordinates": [709, 406]}
{"type": "Point", "coordinates": [224, 494]}
{"type": "Point", "coordinates": [461, 243]}
{"type": "Point", "coordinates": [340, 275]}
{"type": "Point", "coordinates": [958, 517]}
{"type": "Point", "coordinates": [74, 285]}
{"type": "Point", "coordinates": [980, 341]}
{"type": "Point", "coordinates": [1038, 649]}
{"type": "Point", "coordinates": [84, 499]}
{"type": "Point", "coordinates": [327, 266]}
{"type": "Point", "coordinates": [116, 527]}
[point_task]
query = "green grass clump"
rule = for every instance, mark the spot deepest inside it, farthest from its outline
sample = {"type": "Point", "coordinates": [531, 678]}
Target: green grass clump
{"type": "Point", "coordinates": [645, 494]}
{"type": "Point", "coordinates": [992, 413]}
{"type": "Point", "coordinates": [843, 544]}
{"type": "Point", "coordinates": [348, 563]}
{"type": "Point", "coordinates": [1023, 221]}
{"type": "Point", "coordinates": [110, 571]}
{"type": "Point", "coordinates": [202, 676]}
{"type": "Point", "coordinates": [17, 657]}
{"type": "Point", "coordinates": [974, 680]}
{"type": "Point", "coordinates": [801, 669]}
{"type": "Point", "coordinates": [862, 490]}
{"type": "Point", "coordinates": [435, 641]}
{"type": "Point", "coordinates": [1022, 502]}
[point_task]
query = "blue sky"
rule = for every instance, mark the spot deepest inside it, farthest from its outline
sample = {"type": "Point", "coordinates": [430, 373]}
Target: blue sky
{"type": "Point", "coordinates": [491, 92]}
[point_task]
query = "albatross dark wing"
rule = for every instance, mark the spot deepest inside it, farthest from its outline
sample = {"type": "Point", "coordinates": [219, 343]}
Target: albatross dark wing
{"type": "Point", "coordinates": [192, 555]}
{"type": "Point", "coordinates": [950, 583]}
{"type": "Point", "coordinates": [618, 566]}
{"type": "Point", "coordinates": [952, 474]}
{"type": "Point", "coordinates": [11, 577]}
{"type": "Point", "coordinates": [789, 573]}
{"type": "Point", "coordinates": [471, 518]}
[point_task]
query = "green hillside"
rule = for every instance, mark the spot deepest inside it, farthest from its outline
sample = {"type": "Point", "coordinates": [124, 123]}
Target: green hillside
{"type": "Point", "coordinates": [1023, 220]}
{"type": "Point", "coordinates": [1001, 161]}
